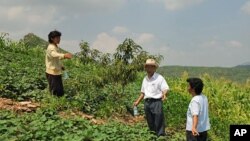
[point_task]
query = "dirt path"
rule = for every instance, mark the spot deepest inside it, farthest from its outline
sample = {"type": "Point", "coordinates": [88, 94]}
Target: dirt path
{"type": "Point", "coordinates": [24, 106]}
{"type": "Point", "coordinates": [29, 106]}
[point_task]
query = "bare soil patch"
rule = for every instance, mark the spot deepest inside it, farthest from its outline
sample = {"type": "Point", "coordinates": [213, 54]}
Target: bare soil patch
{"type": "Point", "coordinates": [29, 106]}
{"type": "Point", "coordinates": [24, 106]}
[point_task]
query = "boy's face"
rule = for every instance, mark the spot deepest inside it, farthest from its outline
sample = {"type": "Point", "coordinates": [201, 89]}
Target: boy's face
{"type": "Point", "coordinates": [56, 40]}
{"type": "Point", "coordinates": [190, 90]}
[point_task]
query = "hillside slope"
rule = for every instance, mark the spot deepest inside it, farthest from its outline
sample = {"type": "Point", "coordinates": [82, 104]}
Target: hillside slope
{"type": "Point", "coordinates": [236, 74]}
{"type": "Point", "coordinates": [244, 65]}
{"type": "Point", "coordinates": [32, 40]}
{"type": "Point", "coordinates": [87, 90]}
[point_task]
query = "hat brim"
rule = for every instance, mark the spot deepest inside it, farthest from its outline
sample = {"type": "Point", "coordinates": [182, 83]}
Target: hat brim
{"type": "Point", "coordinates": [150, 64]}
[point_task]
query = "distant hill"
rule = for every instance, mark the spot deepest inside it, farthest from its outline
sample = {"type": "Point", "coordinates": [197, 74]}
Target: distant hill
{"type": "Point", "coordinates": [32, 40]}
{"type": "Point", "coordinates": [237, 74]}
{"type": "Point", "coordinates": [244, 65]}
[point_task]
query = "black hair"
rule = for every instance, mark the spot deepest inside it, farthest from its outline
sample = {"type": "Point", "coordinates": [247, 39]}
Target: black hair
{"type": "Point", "coordinates": [53, 34]}
{"type": "Point", "coordinates": [196, 84]}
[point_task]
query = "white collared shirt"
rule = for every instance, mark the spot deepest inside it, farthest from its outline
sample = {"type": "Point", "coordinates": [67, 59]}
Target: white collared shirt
{"type": "Point", "coordinates": [198, 106]}
{"type": "Point", "coordinates": [153, 87]}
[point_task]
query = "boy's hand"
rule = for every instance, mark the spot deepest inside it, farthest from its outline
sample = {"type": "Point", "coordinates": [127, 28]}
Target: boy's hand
{"type": "Point", "coordinates": [67, 55]}
{"type": "Point", "coordinates": [195, 132]}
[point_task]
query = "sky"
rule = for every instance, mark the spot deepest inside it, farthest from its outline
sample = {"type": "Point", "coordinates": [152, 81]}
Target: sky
{"type": "Point", "coordinates": [186, 32]}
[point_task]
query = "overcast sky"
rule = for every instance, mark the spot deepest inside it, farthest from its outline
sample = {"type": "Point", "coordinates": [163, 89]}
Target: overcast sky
{"type": "Point", "coordinates": [185, 32]}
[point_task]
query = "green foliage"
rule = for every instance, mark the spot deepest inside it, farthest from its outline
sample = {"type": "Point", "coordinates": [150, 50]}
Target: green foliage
{"type": "Point", "coordinates": [122, 69]}
{"type": "Point", "coordinates": [236, 74]}
{"type": "Point", "coordinates": [18, 78]}
{"type": "Point", "coordinates": [105, 89]}
{"type": "Point", "coordinates": [127, 51]}
{"type": "Point", "coordinates": [85, 53]}
{"type": "Point", "coordinates": [128, 61]}
{"type": "Point", "coordinates": [47, 125]}
{"type": "Point", "coordinates": [88, 55]}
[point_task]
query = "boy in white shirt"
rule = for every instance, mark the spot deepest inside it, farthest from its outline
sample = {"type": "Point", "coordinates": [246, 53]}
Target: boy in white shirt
{"type": "Point", "coordinates": [197, 115]}
{"type": "Point", "coordinates": [53, 63]}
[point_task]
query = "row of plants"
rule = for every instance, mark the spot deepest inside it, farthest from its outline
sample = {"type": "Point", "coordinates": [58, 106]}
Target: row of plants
{"type": "Point", "coordinates": [47, 125]}
{"type": "Point", "coordinates": [229, 104]}
{"type": "Point", "coordinates": [91, 88]}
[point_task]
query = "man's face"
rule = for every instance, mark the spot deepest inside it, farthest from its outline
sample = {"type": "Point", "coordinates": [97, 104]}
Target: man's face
{"type": "Point", "coordinates": [150, 69]}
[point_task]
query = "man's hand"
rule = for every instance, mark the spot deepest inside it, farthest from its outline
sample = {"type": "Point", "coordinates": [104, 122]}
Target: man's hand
{"type": "Point", "coordinates": [136, 103]}
{"type": "Point", "coordinates": [139, 99]}
{"type": "Point", "coordinates": [163, 97]}
{"type": "Point", "coordinates": [67, 55]}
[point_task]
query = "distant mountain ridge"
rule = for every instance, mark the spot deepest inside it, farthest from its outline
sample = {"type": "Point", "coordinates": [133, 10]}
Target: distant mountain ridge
{"type": "Point", "coordinates": [238, 74]}
{"type": "Point", "coordinates": [244, 65]}
{"type": "Point", "coordinates": [33, 40]}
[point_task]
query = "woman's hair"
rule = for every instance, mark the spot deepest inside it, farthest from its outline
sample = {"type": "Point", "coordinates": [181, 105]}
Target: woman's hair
{"type": "Point", "coordinates": [53, 34]}
{"type": "Point", "coordinates": [196, 84]}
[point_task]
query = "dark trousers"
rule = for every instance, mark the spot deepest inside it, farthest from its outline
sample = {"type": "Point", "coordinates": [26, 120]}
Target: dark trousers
{"type": "Point", "coordinates": [202, 136]}
{"type": "Point", "coordinates": [55, 84]}
{"type": "Point", "coordinates": [154, 115]}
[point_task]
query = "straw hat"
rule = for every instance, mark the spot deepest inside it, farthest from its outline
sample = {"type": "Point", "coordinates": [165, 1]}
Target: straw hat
{"type": "Point", "coordinates": [151, 62]}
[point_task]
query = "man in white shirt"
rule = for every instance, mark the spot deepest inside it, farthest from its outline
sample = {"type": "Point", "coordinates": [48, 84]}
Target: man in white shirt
{"type": "Point", "coordinates": [154, 91]}
{"type": "Point", "coordinates": [197, 114]}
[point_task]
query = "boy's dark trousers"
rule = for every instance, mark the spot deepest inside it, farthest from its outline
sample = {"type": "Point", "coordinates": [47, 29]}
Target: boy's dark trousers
{"type": "Point", "coordinates": [55, 84]}
{"type": "Point", "coordinates": [202, 136]}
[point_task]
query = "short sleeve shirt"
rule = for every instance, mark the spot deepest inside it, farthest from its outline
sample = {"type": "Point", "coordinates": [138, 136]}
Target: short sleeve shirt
{"type": "Point", "coordinates": [153, 87]}
{"type": "Point", "coordinates": [198, 106]}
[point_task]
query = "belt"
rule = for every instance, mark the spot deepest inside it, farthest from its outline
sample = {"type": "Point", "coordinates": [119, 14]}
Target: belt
{"type": "Point", "coordinates": [152, 99]}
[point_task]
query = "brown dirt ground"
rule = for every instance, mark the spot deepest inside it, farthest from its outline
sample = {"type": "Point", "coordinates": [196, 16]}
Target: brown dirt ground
{"type": "Point", "coordinates": [29, 106]}
{"type": "Point", "coordinates": [24, 106]}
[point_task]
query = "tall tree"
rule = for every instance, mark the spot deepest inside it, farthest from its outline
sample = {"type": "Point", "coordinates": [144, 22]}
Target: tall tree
{"type": "Point", "coordinates": [123, 71]}
{"type": "Point", "coordinates": [127, 51]}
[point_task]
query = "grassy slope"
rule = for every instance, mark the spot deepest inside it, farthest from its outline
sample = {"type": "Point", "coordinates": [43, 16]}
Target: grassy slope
{"type": "Point", "coordinates": [22, 77]}
{"type": "Point", "coordinates": [237, 74]}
